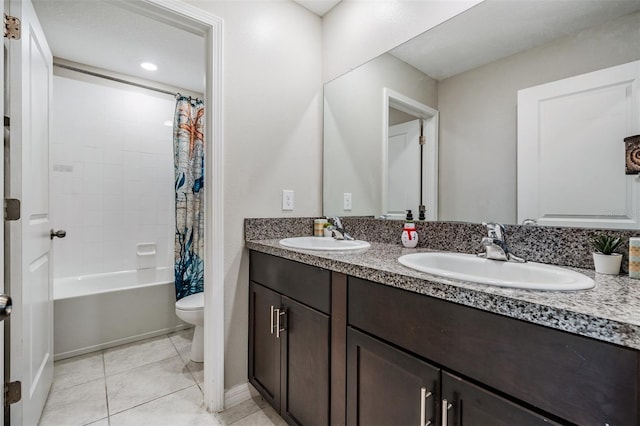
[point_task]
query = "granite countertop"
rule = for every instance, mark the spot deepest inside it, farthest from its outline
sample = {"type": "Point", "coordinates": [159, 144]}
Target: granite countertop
{"type": "Point", "coordinates": [609, 312]}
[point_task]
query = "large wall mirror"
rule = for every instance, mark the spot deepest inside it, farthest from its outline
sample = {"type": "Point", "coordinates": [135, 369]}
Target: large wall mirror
{"type": "Point", "coordinates": [461, 81]}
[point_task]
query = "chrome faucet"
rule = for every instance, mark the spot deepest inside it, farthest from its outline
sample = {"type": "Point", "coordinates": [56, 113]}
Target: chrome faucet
{"type": "Point", "coordinates": [339, 232]}
{"type": "Point", "coordinates": [495, 244]}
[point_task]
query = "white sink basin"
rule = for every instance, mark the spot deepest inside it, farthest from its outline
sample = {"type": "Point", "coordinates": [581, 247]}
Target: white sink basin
{"type": "Point", "coordinates": [324, 244]}
{"type": "Point", "coordinates": [469, 267]}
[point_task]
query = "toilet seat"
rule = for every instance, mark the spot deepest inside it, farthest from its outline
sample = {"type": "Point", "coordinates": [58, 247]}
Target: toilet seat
{"type": "Point", "coordinates": [193, 302]}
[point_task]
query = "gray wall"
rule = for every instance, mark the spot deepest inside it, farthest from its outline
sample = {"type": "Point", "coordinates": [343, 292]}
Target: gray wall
{"type": "Point", "coordinates": [272, 137]}
{"type": "Point", "coordinates": [477, 155]}
{"type": "Point", "coordinates": [399, 117]}
{"type": "Point", "coordinates": [354, 32]}
{"type": "Point", "coordinates": [353, 114]}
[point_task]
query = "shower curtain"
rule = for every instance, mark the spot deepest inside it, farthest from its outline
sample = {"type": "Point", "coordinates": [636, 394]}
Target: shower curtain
{"type": "Point", "coordinates": [188, 150]}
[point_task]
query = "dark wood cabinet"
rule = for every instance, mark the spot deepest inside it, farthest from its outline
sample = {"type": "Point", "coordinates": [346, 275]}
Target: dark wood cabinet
{"type": "Point", "coordinates": [566, 377]}
{"type": "Point", "coordinates": [305, 365]}
{"type": "Point", "coordinates": [471, 405]}
{"type": "Point", "coordinates": [289, 344]}
{"type": "Point", "coordinates": [326, 348]}
{"type": "Point", "coordinates": [264, 347]}
{"type": "Point", "coordinates": [386, 386]}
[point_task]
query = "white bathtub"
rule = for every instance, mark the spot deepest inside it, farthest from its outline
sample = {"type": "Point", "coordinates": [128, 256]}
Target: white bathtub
{"type": "Point", "coordinates": [94, 312]}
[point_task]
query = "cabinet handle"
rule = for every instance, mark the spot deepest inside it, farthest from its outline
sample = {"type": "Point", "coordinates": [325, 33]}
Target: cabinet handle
{"type": "Point", "coordinates": [445, 411]}
{"type": "Point", "coordinates": [424, 395]}
{"type": "Point", "coordinates": [279, 313]}
{"type": "Point", "coordinates": [271, 319]}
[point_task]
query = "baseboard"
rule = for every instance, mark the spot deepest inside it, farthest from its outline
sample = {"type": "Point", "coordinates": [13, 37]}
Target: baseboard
{"type": "Point", "coordinates": [238, 394]}
{"type": "Point", "coordinates": [118, 342]}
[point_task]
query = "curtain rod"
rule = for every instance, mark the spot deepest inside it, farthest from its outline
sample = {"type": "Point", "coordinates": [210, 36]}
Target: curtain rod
{"type": "Point", "coordinates": [116, 79]}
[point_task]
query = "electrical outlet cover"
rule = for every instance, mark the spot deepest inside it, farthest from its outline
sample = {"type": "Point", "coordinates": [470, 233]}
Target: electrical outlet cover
{"type": "Point", "coordinates": [287, 199]}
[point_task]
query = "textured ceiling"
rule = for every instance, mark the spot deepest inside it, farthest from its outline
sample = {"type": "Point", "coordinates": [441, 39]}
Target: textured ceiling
{"type": "Point", "coordinates": [109, 35]}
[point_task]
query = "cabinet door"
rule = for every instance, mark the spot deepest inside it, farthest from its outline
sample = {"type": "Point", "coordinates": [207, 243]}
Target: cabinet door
{"type": "Point", "coordinates": [471, 405]}
{"type": "Point", "coordinates": [264, 347]}
{"type": "Point", "coordinates": [305, 365]}
{"type": "Point", "coordinates": [384, 384]}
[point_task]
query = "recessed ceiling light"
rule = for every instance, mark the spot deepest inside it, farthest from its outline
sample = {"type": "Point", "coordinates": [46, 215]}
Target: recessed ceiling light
{"type": "Point", "coordinates": [149, 66]}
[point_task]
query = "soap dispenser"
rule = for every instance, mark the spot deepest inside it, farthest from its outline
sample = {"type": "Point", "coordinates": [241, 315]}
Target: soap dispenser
{"type": "Point", "coordinates": [409, 233]}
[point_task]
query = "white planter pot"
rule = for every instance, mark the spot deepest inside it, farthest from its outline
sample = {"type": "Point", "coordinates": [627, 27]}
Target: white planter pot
{"type": "Point", "coordinates": [607, 263]}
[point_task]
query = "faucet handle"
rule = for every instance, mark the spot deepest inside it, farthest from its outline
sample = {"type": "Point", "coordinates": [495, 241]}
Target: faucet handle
{"type": "Point", "coordinates": [336, 221]}
{"type": "Point", "coordinates": [494, 230]}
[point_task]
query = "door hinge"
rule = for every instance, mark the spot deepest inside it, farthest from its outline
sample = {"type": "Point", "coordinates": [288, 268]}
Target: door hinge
{"type": "Point", "coordinates": [11, 209]}
{"type": "Point", "coordinates": [423, 140]}
{"type": "Point", "coordinates": [11, 27]}
{"type": "Point", "coordinates": [12, 392]}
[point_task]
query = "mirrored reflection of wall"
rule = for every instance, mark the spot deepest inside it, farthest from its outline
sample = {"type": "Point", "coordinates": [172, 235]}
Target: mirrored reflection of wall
{"type": "Point", "coordinates": [399, 117]}
{"type": "Point", "coordinates": [477, 131]}
{"type": "Point", "coordinates": [478, 116]}
{"type": "Point", "coordinates": [353, 111]}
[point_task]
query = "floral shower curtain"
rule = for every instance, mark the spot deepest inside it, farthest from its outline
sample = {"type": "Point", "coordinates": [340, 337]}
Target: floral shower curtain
{"type": "Point", "coordinates": [188, 150]}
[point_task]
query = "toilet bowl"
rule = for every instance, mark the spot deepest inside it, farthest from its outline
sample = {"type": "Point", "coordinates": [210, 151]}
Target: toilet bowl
{"type": "Point", "coordinates": [190, 309]}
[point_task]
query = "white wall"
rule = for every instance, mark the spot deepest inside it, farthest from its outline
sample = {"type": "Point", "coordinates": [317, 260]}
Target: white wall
{"type": "Point", "coordinates": [273, 75]}
{"type": "Point", "coordinates": [112, 175]}
{"type": "Point", "coordinates": [353, 114]}
{"type": "Point", "coordinates": [356, 31]}
{"type": "Point", "coordinates": [272, 136]}
{"type": "Point", "coordinates": [478, 116]}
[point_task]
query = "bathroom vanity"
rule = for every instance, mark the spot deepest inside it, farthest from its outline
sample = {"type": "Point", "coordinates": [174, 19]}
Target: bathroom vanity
{"type": "Point", "coordinates": [289, 344]}
{"type": "Point", "coordinates": [357, 338]}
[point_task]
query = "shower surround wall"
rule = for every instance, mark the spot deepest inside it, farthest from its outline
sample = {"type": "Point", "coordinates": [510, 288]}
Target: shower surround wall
{"type": "Point", "coordinates": [111, 175]}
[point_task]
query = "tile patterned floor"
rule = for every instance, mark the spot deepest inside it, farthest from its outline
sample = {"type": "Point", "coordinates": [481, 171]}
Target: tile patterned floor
{"type": "Point", "coordinates": [151, 382]}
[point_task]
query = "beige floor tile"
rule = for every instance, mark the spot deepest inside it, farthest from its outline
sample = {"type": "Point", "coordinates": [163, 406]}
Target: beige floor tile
{"type": "Point", "coordinates": [149, 384]}
{"type": "Point", "coordinates": [133, 355]}
{"type": "Point", "coordinates": [197, 370]}
{"type": "Point", "coordinates": [183, 408]}
{"type": "Point", "coordinates": [182, 342]}
{"type": "Point", "coordinates": [273, 415]}
{"type": "Point", "coordinates": [238, 412]}
{"type": "Point", "coordinates": [259, 418]}
{"type": "Point", "coordinates": [77, 370]}
{"type": "Point", "coordinates": [143, 384]}
{"type": "Point", "coordinates": [101, 422]}
{"type": "Point", "coordinates": [77, 405]}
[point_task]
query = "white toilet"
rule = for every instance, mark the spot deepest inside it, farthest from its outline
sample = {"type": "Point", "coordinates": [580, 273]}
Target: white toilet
{"type": "Point", "coordinates": [190, 309]}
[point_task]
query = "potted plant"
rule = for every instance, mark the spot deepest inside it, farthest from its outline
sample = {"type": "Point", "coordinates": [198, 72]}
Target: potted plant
{"type": "Point", "coordinates": [605, 259]}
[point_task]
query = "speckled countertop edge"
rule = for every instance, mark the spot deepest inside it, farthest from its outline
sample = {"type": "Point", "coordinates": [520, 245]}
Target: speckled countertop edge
{"type": "Point", "coordinates": [610, 312]}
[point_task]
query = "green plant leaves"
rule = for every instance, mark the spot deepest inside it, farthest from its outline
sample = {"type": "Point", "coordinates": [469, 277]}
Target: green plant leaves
{"type": "Point", "coordinates": [605, 244]}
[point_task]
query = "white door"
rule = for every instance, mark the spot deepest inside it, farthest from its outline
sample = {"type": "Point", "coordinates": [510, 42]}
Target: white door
{"type": "Point", "coordinates": [403, 157]}
{"type": "Point", "coordinates": [571, 154]}
{"type": "Point", "coordinates": [29, 253]}
{"type": "Point", "coordinates": [2, 286]}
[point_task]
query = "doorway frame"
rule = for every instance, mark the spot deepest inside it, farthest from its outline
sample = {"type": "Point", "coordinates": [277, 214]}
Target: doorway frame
{"type": "Point", "coordinates": [211, 27]}
{"type": "Point", "coordinates": [430, 116]}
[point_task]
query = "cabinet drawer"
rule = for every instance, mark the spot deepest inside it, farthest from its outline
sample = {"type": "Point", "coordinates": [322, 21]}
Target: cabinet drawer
{"type": "Point", "coordinates": [304, 283]}
{"type": "Point", "coordinates": [576, 378]}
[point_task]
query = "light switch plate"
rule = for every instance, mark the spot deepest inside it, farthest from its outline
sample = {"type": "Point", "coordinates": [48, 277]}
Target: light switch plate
{"type": "Point", "coordinates": [287, 199]}
{"type": "Point", "coordinates": [347, 201]}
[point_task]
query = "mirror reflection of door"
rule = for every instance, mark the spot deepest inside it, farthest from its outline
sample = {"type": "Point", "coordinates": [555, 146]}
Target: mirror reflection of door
{"type": "Point", "coordinates": [404, 167]}
{"type": "Point", "coordinates": [410, 170]}
{"type": "Point", "coordinates": [574, 128]}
